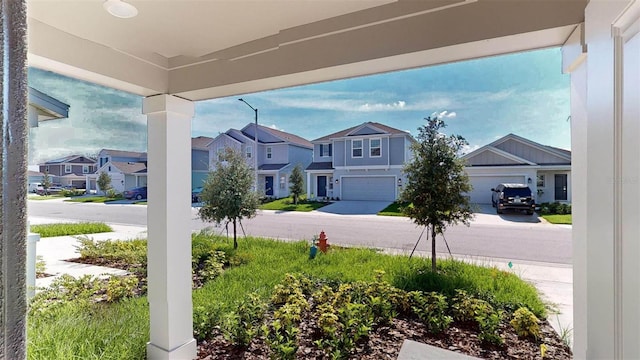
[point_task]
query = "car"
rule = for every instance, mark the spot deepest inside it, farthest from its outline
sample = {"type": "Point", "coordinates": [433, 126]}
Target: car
{"type": "Point", "coordinates": [33, 187]}
{"type": "Point", "coordinates": [195, 194]}
{"type": "Point", "coordinates": [138, 193]}
{"type": "Point", "coordinates": [513, 196]}
{"type": "Point", "coordinates": [53, 189]}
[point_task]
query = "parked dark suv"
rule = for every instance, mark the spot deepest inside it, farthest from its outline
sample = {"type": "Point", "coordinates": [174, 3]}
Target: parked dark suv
{"type": "Point", "coordinates": [513, 196]}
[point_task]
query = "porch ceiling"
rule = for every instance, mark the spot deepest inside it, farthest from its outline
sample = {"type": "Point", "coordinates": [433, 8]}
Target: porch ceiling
{"type": "Point", "coordinates": [204, 49]}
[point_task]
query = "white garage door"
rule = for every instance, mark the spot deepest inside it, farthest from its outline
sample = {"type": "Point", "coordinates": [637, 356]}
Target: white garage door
{"type": "Point", "coordinates": [380, 188]}
{"type": "Point", "coordinates": [482, 185]}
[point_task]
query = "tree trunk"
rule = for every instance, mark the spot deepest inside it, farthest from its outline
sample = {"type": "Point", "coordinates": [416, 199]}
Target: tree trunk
{"type": "Point", "coordinates": [433, 248]}
{"type": "Point", "coordinates": [235, 241]}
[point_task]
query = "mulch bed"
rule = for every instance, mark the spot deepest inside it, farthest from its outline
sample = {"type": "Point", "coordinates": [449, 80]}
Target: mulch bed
{"type": "Point", "coordinates": [385, 341]}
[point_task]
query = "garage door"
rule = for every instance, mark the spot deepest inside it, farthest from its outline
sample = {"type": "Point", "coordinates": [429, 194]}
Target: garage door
{"type": "Point", "coordinates": [481, 193]}
{"type": "Point", "coordinates": [380, 188]}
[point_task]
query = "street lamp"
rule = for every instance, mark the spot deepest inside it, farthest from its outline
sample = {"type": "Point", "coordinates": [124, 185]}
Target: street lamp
{"type": "Point", "coordinates": [255, 141]}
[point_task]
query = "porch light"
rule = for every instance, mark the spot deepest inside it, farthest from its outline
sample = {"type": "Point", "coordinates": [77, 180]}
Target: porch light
{"type": "Point", "coordinates": [399, 181]}
{"type": "Point", "coordinates": [337, 181]}
{"type": "Point", "coordinates": [529, 180]}
{"type": "Point", "coordinates": [120, 9]}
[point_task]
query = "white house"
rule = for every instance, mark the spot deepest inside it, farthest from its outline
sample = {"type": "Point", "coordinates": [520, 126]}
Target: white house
{"type": "Point", "coordinates": [514, 159]}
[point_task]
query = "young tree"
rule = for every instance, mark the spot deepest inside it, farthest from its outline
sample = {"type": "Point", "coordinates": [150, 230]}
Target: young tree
{"type": "Point", "coordinates": [297, 183]}
{"type": "Point", "coordinates": [436, 182]}
{"type": "Point", "coordinates": [228, 192]}
{"type": "Point", "coordinates": [46, 183]}
{"type": "Point", "coordinates": [104, 182]}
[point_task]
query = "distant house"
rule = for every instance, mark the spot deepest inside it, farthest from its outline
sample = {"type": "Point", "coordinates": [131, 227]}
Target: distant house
{"type": "Point", "coordinates": [69, 170]}
{"type": "Point", "coordinates": [128, 169]}
{"type": "Point", "coordinates": [199, 160]}
{"type": "Point", "coordinates": [35, 177]}
{"type": "Point", "coordinates": [363, 162]}
{"type": "Point", "coordinates": [277, 154]}
{"type": "Point", "coordinates": [514, 159]}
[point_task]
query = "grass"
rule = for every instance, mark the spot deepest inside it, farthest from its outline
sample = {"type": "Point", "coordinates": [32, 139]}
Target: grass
{"type": "Point", "coordinates": [120, 330]}
{"type": "Point", "coordinates": [286, 204]}
{"type": "Point", "coordinates": [558, 219]}
{"type": "Point", "coordinates": [44, 197]}
{"type": "Point", "coordinates": [392, 210]}
{"type": "Point", "coordinates": [65, 229]}
{"type": "Point", "coordinates": [93, 199]}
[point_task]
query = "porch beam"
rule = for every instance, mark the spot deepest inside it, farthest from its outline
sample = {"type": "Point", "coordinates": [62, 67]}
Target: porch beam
{"type": "Point", "coordinates": [169, 237]}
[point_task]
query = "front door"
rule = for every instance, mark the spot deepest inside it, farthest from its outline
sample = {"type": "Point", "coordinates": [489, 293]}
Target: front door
{"type": "Point", "coordinates": [268, 185]}
{"type": "Point", "coordinates": [322, 186]}
{"type": "Point", "coordinates": [560, 187]}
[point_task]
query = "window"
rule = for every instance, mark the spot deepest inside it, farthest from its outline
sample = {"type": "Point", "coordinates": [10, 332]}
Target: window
{"type": "Point", "coordinates": [540, 181]}
{"type": "Point", "coordinates": [46, 168]}
{"type": "Point", "coordinates": [268, 153]}
{"type": "Point", "coordinates": [375, 148]}
{"type": "Point", "coordinates": [85, 169]}
{"type": "Point", "coordinates": [219, 153]}
{"type": "Point", "coordinates": [283, 181]}
{"type": "Point", "coordinates": [67, 168]}
{"type": "Point", "coordinates": [330, 182]}
{"type": "Point", "coordinates": [249, 151]}
{"type": "Point", "coordinates": [356, 148]}
{"type": "Point", "coordinates": [325, 150]}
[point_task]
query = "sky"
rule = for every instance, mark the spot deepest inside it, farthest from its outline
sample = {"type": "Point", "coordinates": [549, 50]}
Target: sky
{"type": "Point", "coordinates": [481, 100]}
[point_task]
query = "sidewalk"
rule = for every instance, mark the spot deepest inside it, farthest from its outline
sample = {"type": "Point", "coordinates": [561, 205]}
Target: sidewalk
{"type": "Point", "coordinates": [56, 250]}
{"type": "Point", "coordinates": [554, 281]}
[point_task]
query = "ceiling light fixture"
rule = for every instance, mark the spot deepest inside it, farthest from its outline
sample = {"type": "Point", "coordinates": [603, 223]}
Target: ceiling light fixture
{"type": "Point", "coordinates": [120, 9]}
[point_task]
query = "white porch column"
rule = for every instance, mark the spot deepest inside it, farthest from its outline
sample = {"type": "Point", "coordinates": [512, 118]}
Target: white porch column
{"type": "Point", "coordinates": [308, 185]}
{"type": "Point", "coordinates": [606, 184]}
{"type": "Point", "coordinates": [169, 237]}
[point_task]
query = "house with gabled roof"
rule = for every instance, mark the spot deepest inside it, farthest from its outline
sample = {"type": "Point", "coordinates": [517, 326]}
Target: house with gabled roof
{"type": "Point", "coordinates": [70, 170]}
{"type": "Point", "coordinates": [514, 159]}
{"type": "Point", "coordinates": [277, 154]}
{"type": "Point", "coordinates": [363, 162]}
{"type": "Point", "coordinates": [200, 162]}
{"type": "Point", "coordinates": [128, 169]}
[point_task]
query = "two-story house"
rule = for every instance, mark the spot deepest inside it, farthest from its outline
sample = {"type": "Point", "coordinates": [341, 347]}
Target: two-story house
{"type": "Point", "coordinates": [277, 154]}
{"type": "Point", "coordinates": [200, 162]}
{"type": "Point", "coordinates": [128, 169]}
{"type": "Point", "coordinates": [70, 170]}
{"type": "Point", "coordinates": [363, 162]}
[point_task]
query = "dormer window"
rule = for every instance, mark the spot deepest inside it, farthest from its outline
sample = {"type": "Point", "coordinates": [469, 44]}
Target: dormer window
{"type": "Point", "coordinates": [375, 147]}
{"type": "Point", "coordinates": [356, 148]}
{"type": "Point", "coordinates": [325, 150]}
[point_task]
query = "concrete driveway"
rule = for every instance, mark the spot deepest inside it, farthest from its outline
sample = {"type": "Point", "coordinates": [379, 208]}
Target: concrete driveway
{"type": "Point", "coordinates": [486, 214]}
{"type": "Point", "coordinates": [347, 207]}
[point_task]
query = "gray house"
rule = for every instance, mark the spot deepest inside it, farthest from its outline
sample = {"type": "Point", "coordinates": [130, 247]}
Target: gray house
{"type": "Point", "coordinates": [69, 170]}
{"type": "Point", "coordinates": [128, 169]}
{"type": "Point", "coordinates": [278, 153]}
{"type": "Point", "coordinates": [360, 163]}
{"type": "Point", "coordinates": [199, 160]}
{"type": "Point", "coordinates": [514, 159]}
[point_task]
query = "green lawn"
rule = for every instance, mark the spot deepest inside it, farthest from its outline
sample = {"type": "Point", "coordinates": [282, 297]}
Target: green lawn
{"type": "Point", "coordinates": [286, 204]}
{"type": "Point", "coordinates": [43, 197]}
{"type": "Point", "coordinates": [91, 330]}
{"type": "Point", "coordinates": [558, 219]}
{"type": "Point", "coordinates": [94, 199]}
{"type": "Point", "coordinates": [65, 229]}
{"type": "Point", "coordinates": [392, 210]}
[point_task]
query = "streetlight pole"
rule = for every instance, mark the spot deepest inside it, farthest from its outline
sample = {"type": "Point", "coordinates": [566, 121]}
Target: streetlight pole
{"type": "Point", "coordinates": [255, 141]}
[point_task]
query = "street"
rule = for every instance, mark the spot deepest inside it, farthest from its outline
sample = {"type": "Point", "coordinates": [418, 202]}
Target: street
{"type": "Point", "coordinates": [513, 242]}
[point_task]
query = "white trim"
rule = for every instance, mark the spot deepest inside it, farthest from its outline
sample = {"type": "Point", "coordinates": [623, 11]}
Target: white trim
{"type": "Point", "coordinates": [521, 140]}
{"type": "Point", "coordinates": [354, 148]}
{"type": "Point", "coordinates": [369, 125]}
{"type": "Point", "coordinates": [522, 167]}
{"type": "Point", "coordinates": [627, 24]}
{"type": "Point", "coordinates": [85, 167]}
{"type": "Point", "coordinates": [368, 167]}
{"type": "Point", "coordinates": [322, 153]}
{"type": "Point", "coordinates": [69, 167]}
{"type": "Point", "coordinates": [379, 146]}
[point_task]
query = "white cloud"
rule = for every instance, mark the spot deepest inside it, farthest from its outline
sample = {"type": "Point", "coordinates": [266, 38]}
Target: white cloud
{"type": "Point", "coordinates": [444, 114]}
{"type": "Point", "coordinates": [275, 127]}
{"type": "Point", "coordinates": [398, 105]}
{"type": "Point", "coordinates": [469, 148]}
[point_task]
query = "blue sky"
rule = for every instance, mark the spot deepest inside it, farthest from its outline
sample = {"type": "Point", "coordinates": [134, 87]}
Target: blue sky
{"type": "Point", "coordinates": [482, 100]}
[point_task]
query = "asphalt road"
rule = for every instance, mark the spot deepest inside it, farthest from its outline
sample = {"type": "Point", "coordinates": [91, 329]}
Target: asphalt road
{"type": "Point", "coordinates": [514, 241]}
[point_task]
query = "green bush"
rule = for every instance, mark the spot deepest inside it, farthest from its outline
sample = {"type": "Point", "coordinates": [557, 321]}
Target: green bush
{"type": "Point", "coordinates": [113, 194]}
{"type": "Point", "coordinates": [71, 192]}
{"type": "Point", "coordinates": [431, 308]}
{"type": "Point", "coordinates": [525, 323]}
{"type": "Point", "coordinates": [555, 208]}
{"type": "Point", "coordinates": [242, 325]}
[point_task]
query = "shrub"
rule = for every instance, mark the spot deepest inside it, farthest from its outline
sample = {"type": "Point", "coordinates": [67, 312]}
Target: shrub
{"type": "Point", "coordinates": [431, 308]}
{"type": "Point", "coordinates": [71, 192]}
{"type": "Point", "coordinates": [555, 208]}
{"type": "Point", "coordinates": [525, 323]}
{"type": "Point", "coordinates": [121, 287]}
{"type": "Point", "coordinates": [241, 325]}
{"type": "Point", "coordinates": [113, 194]}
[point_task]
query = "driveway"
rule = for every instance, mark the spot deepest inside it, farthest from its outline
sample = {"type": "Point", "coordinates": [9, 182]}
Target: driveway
{"type": "Point", "coordinates": [354, 207]}
{"type": "Point", "coordinates": [486, 214]}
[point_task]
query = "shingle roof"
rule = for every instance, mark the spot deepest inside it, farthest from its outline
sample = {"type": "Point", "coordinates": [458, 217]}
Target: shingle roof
{"type": "Point", "coordinates": [320, 166]}
{"type": "Point", "coordinates": [125, 153]}
{"type": "Point", "coordinates": [130, 167]}
{"type": "Point", "coordinates": [200, 142]}
{"type": "Point", "coordinates": [294, 139]}
{"type": "Point", "coordinates": [343, 133]}
{"type": "Point", "coordinates": [271, 166]}
{"type": "Point", "coordinates": [69, 159]}
{"type": "Point", "coordinates": [35, 173]}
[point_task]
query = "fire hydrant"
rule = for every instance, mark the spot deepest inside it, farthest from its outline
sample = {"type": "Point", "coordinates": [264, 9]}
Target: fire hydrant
{"type": "Point", "coordinates": [322, 242]}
